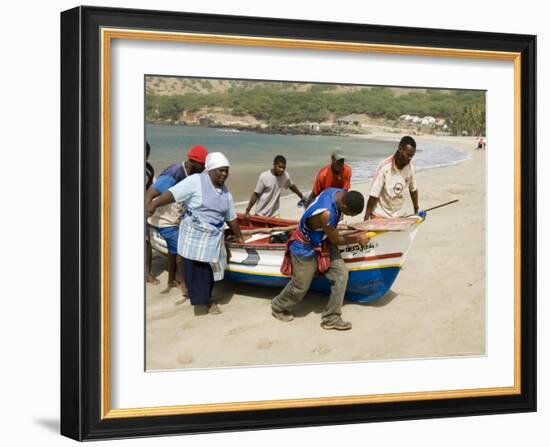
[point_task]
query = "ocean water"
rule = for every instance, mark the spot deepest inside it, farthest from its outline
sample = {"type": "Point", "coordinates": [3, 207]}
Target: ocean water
{"type": "Point", "coordinates": [252, 153]}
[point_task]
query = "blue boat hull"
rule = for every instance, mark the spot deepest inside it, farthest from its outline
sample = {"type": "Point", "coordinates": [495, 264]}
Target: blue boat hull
{"type": "Point", "coordinates": [364, 286]}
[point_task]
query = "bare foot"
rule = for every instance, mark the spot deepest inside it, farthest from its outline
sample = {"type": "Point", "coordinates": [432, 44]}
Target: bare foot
{"type": "Point", "coordinates": [214, 309]}
{"type": "Point", "coordinates": [151, 279]}
{"type": "Point", "coordinates": [200, 309]}
{"type": "Point", "coordinates": [171, 285]}
{"type": "Point", "coordinates": [181, 300]}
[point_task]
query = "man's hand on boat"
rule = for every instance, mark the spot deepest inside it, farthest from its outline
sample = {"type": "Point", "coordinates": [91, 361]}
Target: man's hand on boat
{"type": "Point", "coordinates": [363, 238]}
{"type": "Point", "coordinates": [371, 204]}
{"type": "Point", "coordinates": [236, 230]}
{"type": "Point", "coordinates": [333, 235]}
{"type": "Point", "coordinates": [150, 209]}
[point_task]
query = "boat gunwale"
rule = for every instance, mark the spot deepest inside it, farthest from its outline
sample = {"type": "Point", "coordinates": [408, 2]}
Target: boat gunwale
{"type": "Point", "coordinates": [229, 244]}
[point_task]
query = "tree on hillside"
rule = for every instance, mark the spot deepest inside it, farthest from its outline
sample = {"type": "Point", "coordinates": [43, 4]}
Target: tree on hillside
{"type": "Point", "coordinates": [471, 121]}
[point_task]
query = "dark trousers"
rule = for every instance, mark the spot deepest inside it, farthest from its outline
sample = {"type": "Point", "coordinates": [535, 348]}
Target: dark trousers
{"type": "Point", "coordinates": [199, 281]}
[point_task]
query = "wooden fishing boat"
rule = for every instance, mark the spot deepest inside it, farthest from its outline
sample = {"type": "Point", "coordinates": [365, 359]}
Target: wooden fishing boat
{"type": "Point", "coordinates": [372, 268]}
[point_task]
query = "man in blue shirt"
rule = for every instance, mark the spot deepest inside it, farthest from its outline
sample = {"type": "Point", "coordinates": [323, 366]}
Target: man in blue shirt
{"type": "Point", "coordinates": [313, 248]}
{"type": "Point", "coordinates": [166, 219]}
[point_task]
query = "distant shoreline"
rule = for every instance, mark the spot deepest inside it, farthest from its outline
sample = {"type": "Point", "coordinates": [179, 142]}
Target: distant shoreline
{"type": "Point", "coordinates": [301, 128]}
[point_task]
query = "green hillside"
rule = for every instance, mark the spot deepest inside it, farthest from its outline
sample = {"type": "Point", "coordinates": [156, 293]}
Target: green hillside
{"type": "Point", "coordinates": [292, 103]}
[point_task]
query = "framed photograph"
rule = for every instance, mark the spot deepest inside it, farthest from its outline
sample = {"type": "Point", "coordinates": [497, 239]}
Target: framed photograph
{"type": "Point", "coordinates": [337, 223]}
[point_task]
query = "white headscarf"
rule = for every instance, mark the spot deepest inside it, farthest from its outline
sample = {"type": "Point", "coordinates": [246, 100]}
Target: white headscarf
{"type": "Point", "coordinates": [215, 160]}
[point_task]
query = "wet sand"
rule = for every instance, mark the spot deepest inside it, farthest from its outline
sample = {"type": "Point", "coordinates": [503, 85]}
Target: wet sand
{"type": "Point", "coordinates": [435, 308]}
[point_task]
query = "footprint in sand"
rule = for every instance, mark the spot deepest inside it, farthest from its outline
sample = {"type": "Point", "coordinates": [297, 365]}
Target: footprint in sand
{"type": "Point", "coordinates": [321, 350]}
{"type": "Point", "coordinates": [175, 338]}
{"type": "Point", "coordinates": [239, 330]}
{"type": "Point", "coordinates": [264, 344]}
{"type": "Point", "coordinates": [185, 359]}
{"type": "Point", "coordinates": [163, 315]}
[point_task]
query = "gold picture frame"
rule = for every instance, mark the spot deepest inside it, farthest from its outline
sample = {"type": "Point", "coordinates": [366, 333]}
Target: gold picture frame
{"type": "Point", "coordinates": [87, 37]}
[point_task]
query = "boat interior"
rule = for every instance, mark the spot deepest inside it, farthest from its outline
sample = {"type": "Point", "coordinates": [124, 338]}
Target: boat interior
{"type": "Point", "coordinates": [259, 230]}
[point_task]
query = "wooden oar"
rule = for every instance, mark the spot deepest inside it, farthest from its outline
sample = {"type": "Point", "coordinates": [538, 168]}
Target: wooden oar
{"type": "Point", "coordinates": [435, 207]}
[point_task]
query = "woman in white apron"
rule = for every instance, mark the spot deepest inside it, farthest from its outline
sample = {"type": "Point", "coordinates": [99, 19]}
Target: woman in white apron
{"type": "Point", "coordinates": [209, 205]}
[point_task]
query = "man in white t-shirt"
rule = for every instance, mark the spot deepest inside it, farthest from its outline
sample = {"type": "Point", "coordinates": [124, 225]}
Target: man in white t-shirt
{"type": "Point", "coordinates": [394, 176]}
{"type": "Point", "coordinates": [267, 193]}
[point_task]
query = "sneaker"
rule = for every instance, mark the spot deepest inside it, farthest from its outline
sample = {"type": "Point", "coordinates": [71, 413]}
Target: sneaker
{"type": "Point", "coordinates": [339, 325]}
{"type": "Point", "coordinates": [283, 315]}
{"type": "Point", "coordinates": [214, 309]}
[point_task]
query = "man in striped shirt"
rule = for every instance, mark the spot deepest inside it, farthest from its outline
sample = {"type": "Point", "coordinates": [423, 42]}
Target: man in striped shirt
{"type": "Point", "coordinates": [394, 176]}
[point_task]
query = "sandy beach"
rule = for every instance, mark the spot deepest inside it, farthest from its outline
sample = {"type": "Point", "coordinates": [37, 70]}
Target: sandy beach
{"type": "Point", "coordinates": [436, 307]}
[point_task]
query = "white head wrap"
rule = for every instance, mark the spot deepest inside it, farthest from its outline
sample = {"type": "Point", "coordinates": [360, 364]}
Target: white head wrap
{"type": "Point", "coordinates": [215, 160]}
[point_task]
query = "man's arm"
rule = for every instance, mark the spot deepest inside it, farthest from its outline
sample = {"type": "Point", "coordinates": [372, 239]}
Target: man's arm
{"type": "Point", "coordinates": [232, 222]}
{"type": "Point", "coordinates": [316, 189]}
{"type": "Point", "coordinates": [413, 189]}
{"type": "Point", "coordinates": [371, 205]}
{"type": "Point", "coordinates": [333, 235]}
{"type": "Point", "coordinates": [160, 186]}
{"type": "Point", "coordinates": [150, 194]}
{"type": "Point", "coordinates": [375, 192]}
{"type": "Point", "coordinates": [258, 190]}
{"type": "Point", "coordinates": [236, 230]}
{"type": "Point", "coordinates": [414, 198]}
{"type": "Point", "coordinates": [347, 178]}
{"type": "Point", "coordinates": [163, 199]}
{"type": "Point", "coordinates": [296, 191]}
{"type": "Point", "coordinates": [310, 199]}
{"type": "Point", "coordinates": [253, 198]}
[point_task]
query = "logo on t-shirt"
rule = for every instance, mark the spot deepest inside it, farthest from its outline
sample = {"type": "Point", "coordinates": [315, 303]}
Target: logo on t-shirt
{"type": "Point", "coordinates": [398, 189]}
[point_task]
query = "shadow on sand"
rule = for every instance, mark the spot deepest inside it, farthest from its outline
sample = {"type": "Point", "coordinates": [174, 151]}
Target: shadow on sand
{"type": "Point", "coordinates": [313, 302]}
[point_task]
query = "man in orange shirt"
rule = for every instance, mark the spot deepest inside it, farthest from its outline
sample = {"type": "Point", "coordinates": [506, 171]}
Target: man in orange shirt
{"type": "Point", "coordinates": [335, 175]}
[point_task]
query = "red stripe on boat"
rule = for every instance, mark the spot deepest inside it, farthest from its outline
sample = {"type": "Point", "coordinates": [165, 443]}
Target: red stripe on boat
{"type": "Point", "coordinates": [374, 258]}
